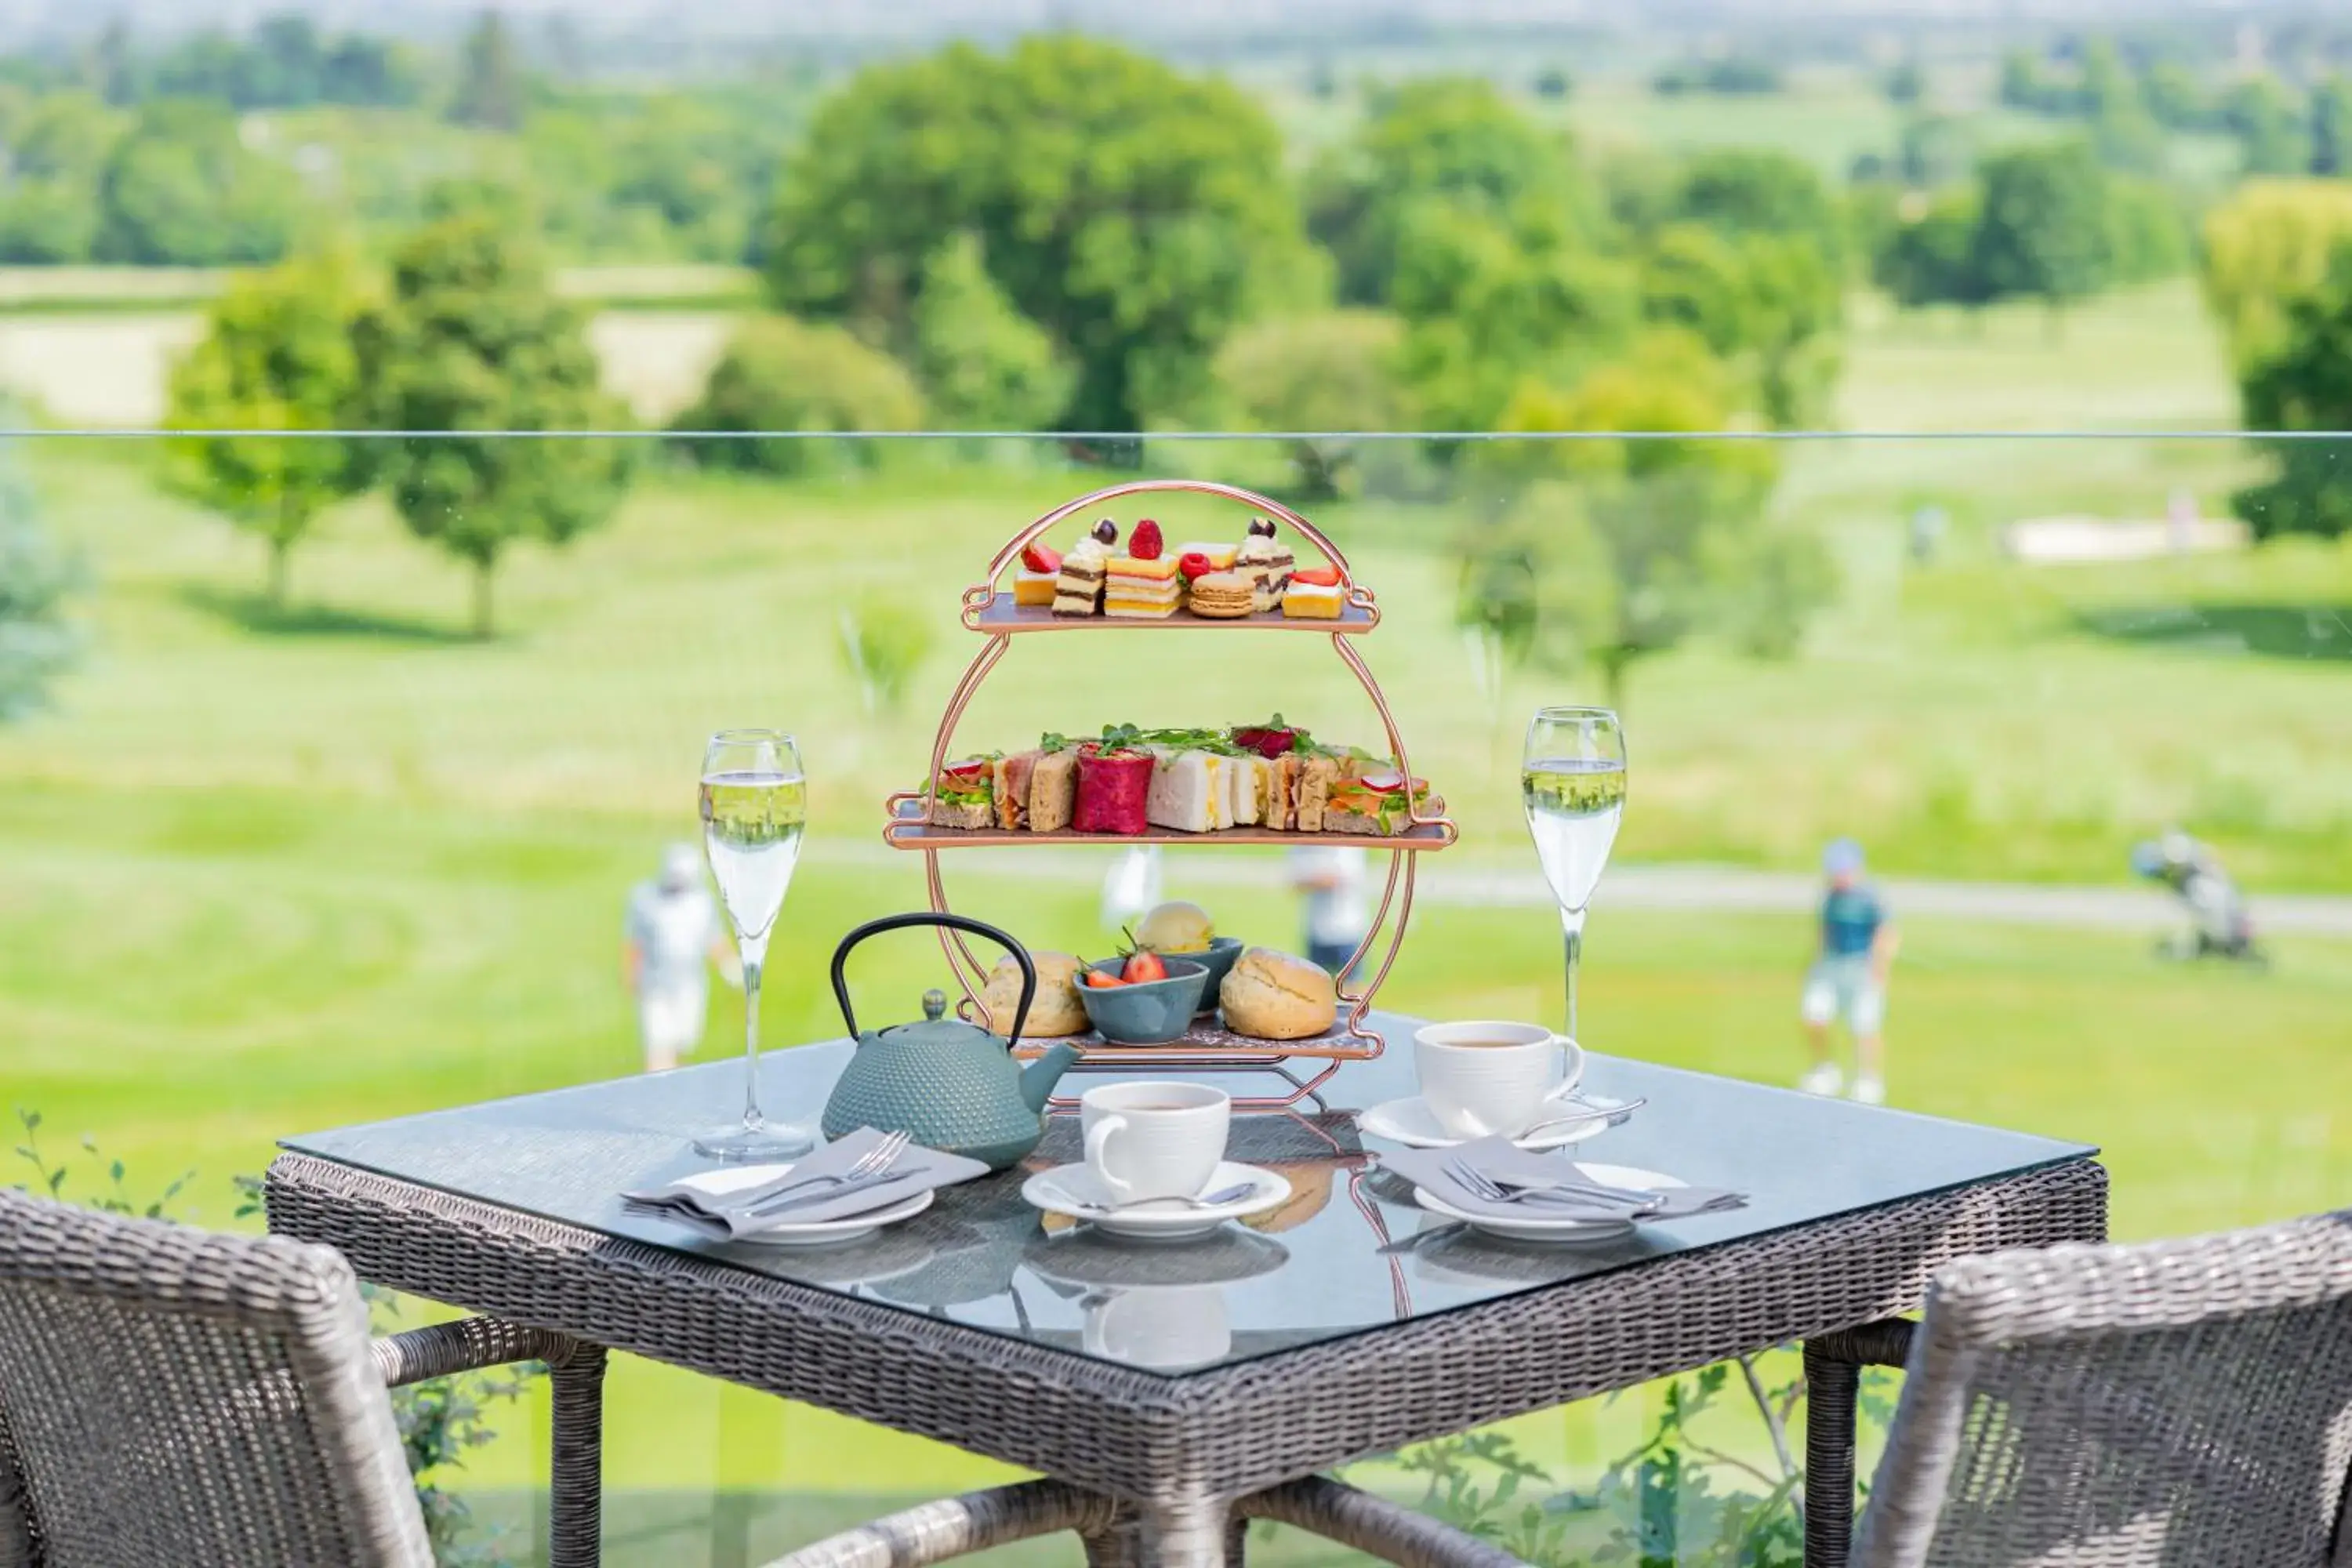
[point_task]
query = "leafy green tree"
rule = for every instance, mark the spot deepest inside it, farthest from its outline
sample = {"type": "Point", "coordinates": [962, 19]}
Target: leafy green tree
{"type": "Point", "coordinates": [1744, 192]}
{"type": "Point", "coordinates": [2176, 98]}
{"type": "Point", "coordinates": [182, 190]}
{"type": "Point", "coordinates": [1336, 371]}
{"type": "Point", "coordinates": [2148, 231]}
{"type": "Point", "coordinates": [1136, 214]}
{"type": "Point", "coordinates": [277, 354]}
{"type": "Point", "coordinates": [1907, 84]}
{"type": "Point", "coordinates": [2124, 133]}
{"type": "Point", "coordinates": [2043, 230]}
{"type": "Point", "coordinates": [984, 365]}
{"type": "Point", "coordinates": [2270, 244]}
{"type": "Point", "coordinates": [2021, 80]}
{"type": "Point", "coordinates": [472, 338]}
{"type": "Point", "coordinates": [2305, 384]}
{"type": "Point", "coordinates": [1767, 304]}
{"type": "Point", "coordinates": [2331, 128]}
{"type": "Point", "coordinates": [54, 147]}
{"type": "Point", "coordinates": [778, 374]}
{"type": "Point", "coordinates": [1928, 257]}
{"type": "Point", "coordinates": [1456, 148]}
{"type": "Point", "coordinates": [1553, 84]}
{"type": "Point", "coordinates": [1608, 552]}
{"type": "Point", "coordinates": [490, 89]}
{"type": "Point", "coordinates": [37, 579]}
{"type": "Point", "coordinates": [2272, 135]}
{"type": "Point", "coordinates": [1934, 151]}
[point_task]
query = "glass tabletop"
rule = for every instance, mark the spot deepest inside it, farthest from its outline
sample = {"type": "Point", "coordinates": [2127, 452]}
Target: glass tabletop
{"type": "Point", "coordinates": [1349, 1252]}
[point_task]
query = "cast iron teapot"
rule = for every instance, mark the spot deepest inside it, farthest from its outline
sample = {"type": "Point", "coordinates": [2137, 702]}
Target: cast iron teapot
{"type": "Point", "coordinates": [951, 1085]}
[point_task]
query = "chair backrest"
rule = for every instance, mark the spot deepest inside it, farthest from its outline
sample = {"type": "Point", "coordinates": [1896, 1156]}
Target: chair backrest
{"type": "Point", "coordinates": [2182, 1403]}
{"type": "Point", "coordinates": [169, 1396]}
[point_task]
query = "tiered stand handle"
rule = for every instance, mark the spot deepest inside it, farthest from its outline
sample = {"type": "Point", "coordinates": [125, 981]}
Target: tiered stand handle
{"type": "Point", "coordinates": [992, 613]}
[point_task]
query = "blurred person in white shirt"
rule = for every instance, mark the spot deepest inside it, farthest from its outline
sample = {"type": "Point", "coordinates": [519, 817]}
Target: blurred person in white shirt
{"type": "Point", "coordinates": [1331, 880]}
{"type": "Point", "coordinates": [672, 934]}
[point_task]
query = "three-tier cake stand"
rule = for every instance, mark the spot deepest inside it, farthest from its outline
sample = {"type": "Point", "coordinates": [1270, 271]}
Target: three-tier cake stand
{"type": "Point", "coordinates": [1302, 1065]}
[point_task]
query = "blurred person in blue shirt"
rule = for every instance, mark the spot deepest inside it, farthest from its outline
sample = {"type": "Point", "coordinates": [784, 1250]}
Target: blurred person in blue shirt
{"type": "Point", "coordinates": [1848, 978]}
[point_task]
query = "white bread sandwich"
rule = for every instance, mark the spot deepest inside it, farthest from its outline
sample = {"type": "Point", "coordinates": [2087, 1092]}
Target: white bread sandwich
{"type": "Point", "coordinates": [1186, 792]}
{"type": "Point", "coordinates": [1249, 779]}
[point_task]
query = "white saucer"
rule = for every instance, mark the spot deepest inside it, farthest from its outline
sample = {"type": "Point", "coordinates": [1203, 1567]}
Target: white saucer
{"type": "Point", "coordinates": [1411, 1122]}
{"type": "Point", "coordinates": [1072, 1190]}
{"type": "Point", "coordinates": [788, 1232]}
{"type": "Point", "coordinates": [1556, 1231]}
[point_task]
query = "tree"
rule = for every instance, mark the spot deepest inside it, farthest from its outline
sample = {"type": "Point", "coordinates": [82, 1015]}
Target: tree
{"type": "Point", "coordinates": [1475, 226]}
{"type": "Point", "coordinates": [2271, 136]}
{"type": "Point", "coordinates": [1607, 552]}
{"type": "Point", "coordinates": [1449, 143]}
{"type": "Point", "coordinates": [2148, 232]}
{"type": "Point", "coordinates": [2270, 244]}
{"type": "Point", "coordinates": [2331, 128]}
{"type": "Point", "coordinates": [984, 365]}
{"type": "Point", "coordinates": [182, 190]}
{"type": "Point", "coordinates": [1136, 214]}
{"type": "Point", "coordinates": [1928, 256]}
{"type": "Point", "coordinates": [782, 374]}
{"type": "Point", "coordinates": [277, 354]}
{"type": "Point", "coordinates": [1336, 371]}
{"type": "Point", "coordinates": [1907, 84]}
{"type": "Point", "coordinates": [489, 83]}
{"type": "Point", "coordinates": [472, 338]}
{"type": "Point", "coordinates": [2124, 133]}
{"type": "Point", "coordinates": [56, 146]}
{"type": "Point", "coordinates": [2021, 80]}
{"type": "Point", "coordinates": [2305, 384]}
{"type": "Point", "coordinates": [1553, 84]}
{"type": "Point", "coordinates": [2176, 98]}
{"type": "Point", "coordinates": [1746, 192]}
{"type": "Point", "coordinates": [2043, 230]}
{"type": "Point", "coordinates": [37, 641]}
{"type": "Point", "coordinates": [1768, 305]}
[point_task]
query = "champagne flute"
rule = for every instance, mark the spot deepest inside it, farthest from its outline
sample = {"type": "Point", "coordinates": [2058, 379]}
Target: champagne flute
{"type": "Point", "coordinates": [754, 806]}
{"type": "Point", "coordinates": [1572, 780]}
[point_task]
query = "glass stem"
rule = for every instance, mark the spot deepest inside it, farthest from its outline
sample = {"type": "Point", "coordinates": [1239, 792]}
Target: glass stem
{"type": "Point", "coordinates": [751, 1116]}
{"type": "Point", "coordinates": [1572, 929]}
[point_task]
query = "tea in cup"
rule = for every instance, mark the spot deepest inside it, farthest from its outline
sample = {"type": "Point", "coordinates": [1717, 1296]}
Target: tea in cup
{"type": "Point", "coordinates": [1486, 1079]}
{"type": "Point", "coordinates": [1147, 1141]}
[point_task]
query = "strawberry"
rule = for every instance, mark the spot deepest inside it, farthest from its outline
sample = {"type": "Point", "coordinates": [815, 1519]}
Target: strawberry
{"type": "Point", "coordinates": [1042, 557]}
{"type": "Point", "coordinates": [1145, 542]}
{"type": "Point", "coordinates": [1194, 564]}
{"type": "Point", "coordinates": [1321, 576]}
{"type": "Point", "coordinates": [1103, 979]}
{"type": "Point", "coordinates": [1142, 966]}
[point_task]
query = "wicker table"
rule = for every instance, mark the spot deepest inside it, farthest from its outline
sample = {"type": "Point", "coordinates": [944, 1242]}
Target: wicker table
{"type": "Point", "coordinates": [1175, 1380]}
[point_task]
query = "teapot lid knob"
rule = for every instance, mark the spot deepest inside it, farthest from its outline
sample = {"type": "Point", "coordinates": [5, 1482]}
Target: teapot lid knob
{"type": "Point", "coordinates": [935, 1004]}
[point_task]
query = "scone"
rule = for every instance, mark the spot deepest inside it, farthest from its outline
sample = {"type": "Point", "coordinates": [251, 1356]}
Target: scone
{"type": "Point", "coordinates": [1273, 996]}
{"type": "Point", "coordinates": [1056, 1011]}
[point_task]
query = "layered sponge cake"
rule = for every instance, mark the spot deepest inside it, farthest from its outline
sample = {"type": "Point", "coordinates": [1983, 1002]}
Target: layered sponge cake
{"type": "Point", "coordinates": [1136, 589]}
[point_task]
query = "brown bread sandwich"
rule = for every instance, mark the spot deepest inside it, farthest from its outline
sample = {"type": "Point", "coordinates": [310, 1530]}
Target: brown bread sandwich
{"type": "Point", "coordinates": [963, 795]}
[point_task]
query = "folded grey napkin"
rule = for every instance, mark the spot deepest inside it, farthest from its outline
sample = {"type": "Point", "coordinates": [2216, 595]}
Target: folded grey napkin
{"type": "Point", "coordinates": [1505, 1162]}
{"type": "Point", "coordinates": [736, 1201]}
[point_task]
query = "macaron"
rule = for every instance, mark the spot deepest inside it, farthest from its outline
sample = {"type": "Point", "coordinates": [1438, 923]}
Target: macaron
{"type": "Point", "coordinates": [1221, 595]}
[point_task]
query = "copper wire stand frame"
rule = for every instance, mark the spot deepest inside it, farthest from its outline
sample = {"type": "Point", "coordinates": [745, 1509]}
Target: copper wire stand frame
{"type": "Point", "coordinates": [1303, 1065]}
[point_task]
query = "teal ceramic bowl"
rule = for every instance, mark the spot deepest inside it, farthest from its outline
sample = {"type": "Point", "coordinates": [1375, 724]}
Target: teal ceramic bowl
{"type": "Point", "coordinates": [1150, 1014]}
{"type": "Point", "coordinates": [1218, 961]}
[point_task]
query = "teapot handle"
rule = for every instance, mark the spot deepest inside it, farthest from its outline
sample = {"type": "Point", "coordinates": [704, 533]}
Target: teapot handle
{"type": "Point", "coordinates": [960, 922]}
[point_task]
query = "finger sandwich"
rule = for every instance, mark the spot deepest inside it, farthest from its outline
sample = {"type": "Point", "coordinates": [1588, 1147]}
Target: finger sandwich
{"type": "Point", "coordinates": [1188, 792]}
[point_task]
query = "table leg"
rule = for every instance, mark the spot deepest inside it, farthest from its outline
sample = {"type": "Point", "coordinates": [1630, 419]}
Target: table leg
{"type": "Point", "coordinates": [1832, 1384]}
{"type": "Point", "coordinates": [576, 1489]}
{"type": "Point", "coordinates": [1188, 1528]}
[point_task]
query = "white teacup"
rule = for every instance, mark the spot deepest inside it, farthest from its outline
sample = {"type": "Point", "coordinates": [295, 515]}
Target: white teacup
{"type": "Point", "coordinates": [1485, 1079]}
{"type": "Point", "coordinates": [1147, 1141]}
{"type": "Point", "coordinates": [1165, 1328]}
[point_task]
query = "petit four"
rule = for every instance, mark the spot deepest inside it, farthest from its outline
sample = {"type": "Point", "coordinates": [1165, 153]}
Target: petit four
{"type": "Point", "coordinates": [1315, 595]}
{"type": "Point", "coordinates": [1223, 595]}
{"type": "Point", "coordinates": [1078, 587]}
{"type": "Point", "coordinates": [1137, 588]}
{"type": "Point", "coordinates": [1220, 557]}
{"type": "Point", "coordinates": [1269, 561]}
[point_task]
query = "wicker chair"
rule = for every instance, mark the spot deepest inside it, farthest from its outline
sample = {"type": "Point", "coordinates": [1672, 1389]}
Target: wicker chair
{"type": "Point", "coordinates": [169, 1396]}
{"type": "Point", "coordinates": [2183, 1404]}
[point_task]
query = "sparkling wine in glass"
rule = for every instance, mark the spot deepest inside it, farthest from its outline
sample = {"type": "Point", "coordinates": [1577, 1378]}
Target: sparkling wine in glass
{"type": "Point", "coordinates": [754, 807]}
{"type": "Point", "coordinates": [1572, 780]}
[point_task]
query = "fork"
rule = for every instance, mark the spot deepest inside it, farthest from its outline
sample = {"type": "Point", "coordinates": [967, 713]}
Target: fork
{"type": "Point", "coordinates": [1494, 1192]}
{"type": "Point", "coordinates": [876, 1162]}
{"type": "Point", "coordinates": [880, 1158]}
